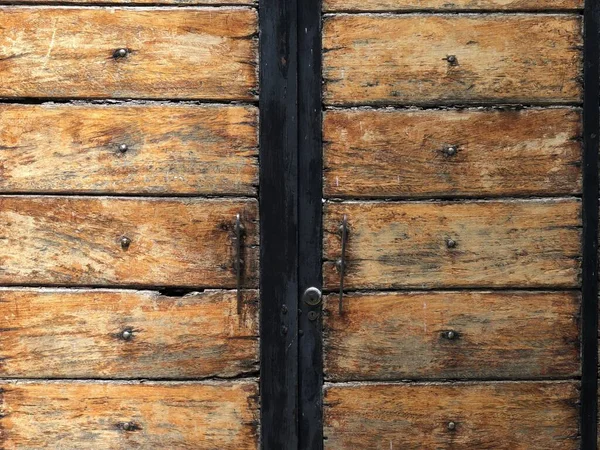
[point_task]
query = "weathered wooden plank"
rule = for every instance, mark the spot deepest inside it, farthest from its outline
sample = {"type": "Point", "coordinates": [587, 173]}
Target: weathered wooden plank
{"type": "Point", "coordinates": [485, 416]}
{"type": "Point", "coordinates": [442, 59]}
{"type": "Point", "coordinates": [411, 153]}
{"type": "Point", "coordinates": [169, 149]}
{"type": "Point", "coordinates": [79, 241]}
{"type": "Point", "coordinates": [143, 2]}
{"type": "Point", "coordinates": [527, 243]}
{"type": "Point", "coordinates": [392, 336]}
{"type": "Point", "coordinates": [60, 333]}
{"type": "Point", "coordinates": [455, 5]}
{"type": "Point", "coordinates": [128, 415]}
{"type": "Point", "coordinates": [196, 53]}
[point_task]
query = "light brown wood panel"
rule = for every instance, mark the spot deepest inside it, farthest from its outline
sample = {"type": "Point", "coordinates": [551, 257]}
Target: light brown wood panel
{"type": "Point", "coordinates": [392, 336]}
{"type": "Point", "coordinates": [143, 2]}
{"type": "Point", "coordinates": [511, 243]}
{"type": "Point", "coordinates": [60, 333]}
{"type": "Point", "coordinates": [405, 153]}
{"type": "Point", "coordinates": [183, 149]}
{"type": "Point", "coordinates": [78, 415]}
{"type": "Point", "coordinates": [78, 241]}
{"type": "Point", "coordinates": [508, 415]}
{"type": "Point", "coordinates": [196, 53]}
{"type": "Point", "coordinates": [404, 59]}
{"type": "Point", "coordinates": [456, 5]}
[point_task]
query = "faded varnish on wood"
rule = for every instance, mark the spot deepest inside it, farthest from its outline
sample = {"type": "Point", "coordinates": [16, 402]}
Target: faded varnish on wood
{"type": "Point", "coordinates": [61, 333]}
{"type": "Point", "coordinates": [392, 336]}
{"type": "Point", "coordinates": [511, 243]}
{"type": "Point", "coordinates": [182, 149]}
{"type": "Point", "coordinates": [109, 416]}
{"type": "Point", "coordinates": [456, 5]}
{"type": "Point", "coordinates": [196, 53]}
{"type": "Point", "coordinates": [503, 416]}
{"type": "Point", "coordinates": [443, 59]}
{"type": "Point", "coordinates": [78, 241]}
{"type": "Point", "coordinates": [447, 153]}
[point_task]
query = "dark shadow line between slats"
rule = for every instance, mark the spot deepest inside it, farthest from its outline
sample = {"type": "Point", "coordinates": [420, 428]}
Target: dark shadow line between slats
{"type": "Point", "coordinates": [450, 11]}
{"type": "Point", "coordinates": [110, 101]}
{"type": "Point", "coordinates": [456, 289]}
{"type": "Point", "coordinates": [452, 198]}
{"type": "Point", "coordinates": [421, 380]}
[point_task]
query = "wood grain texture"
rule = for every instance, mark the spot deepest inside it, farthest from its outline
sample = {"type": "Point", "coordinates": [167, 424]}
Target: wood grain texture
{"type": "Point", "coordinates": [403, 59]}
{"type": "Point", "coordinates": [512, 243]}
{"type": "Point", "coordinates": [143, 2]}
{"type": "Point", "coordinates": [175, 416]}
{"type": "Point", "coordinates": [515, 416]}
{"type": "Point", "coordinates": [196, 53]}
{"type": "Point", "coordinates": [403, 153]}
{"type": "Point", "coordinates": [393, 336]}
{"type": "Point", "coordinates": [455, 5]}
{"type": "Point", "coordinates": [60, 333]}
{"type": "Point", "coordinates": [199, 150]}
{"type": "Point", "coordinates": [77, 241]}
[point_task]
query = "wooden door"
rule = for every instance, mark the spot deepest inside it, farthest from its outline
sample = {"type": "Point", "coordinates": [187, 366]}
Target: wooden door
{"type": "Point", "coordinates": [121, 325]}
{"type": "Point", "coordinates": [452, 148]}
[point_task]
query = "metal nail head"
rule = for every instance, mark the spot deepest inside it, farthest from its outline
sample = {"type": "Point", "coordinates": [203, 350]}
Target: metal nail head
{"type": "Point", "coordinates": [125, 242]}
{"type": "Point", "coordinates": [452, 60]}
{"type": "Point", "coordinates": [450, 335]}
{"type": "Point", "coordinates": [451, 426]}
{"type": "Point", "coordinates": [120, 53]}
{"type": "Point", "coordinates": [127, 334]}
{"type": "Point", "coordinates": [450, 243]}
{"type": "Point", "coordinates": [123, 148]}
{"type": "Point", "coordinates": [451, 151]}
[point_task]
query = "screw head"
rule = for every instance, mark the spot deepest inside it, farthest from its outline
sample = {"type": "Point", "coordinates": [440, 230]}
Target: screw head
{"type": "Point", "coordinates": [120, 53]}
{"type": "Point", "coordinates": [312, 315]}
{"type": "Point", "coordinates": [125, 242]}
{"type": "Point", "coordinates": [450, 243]}
{"type": "Point", "coordinates": [451, 426]}
{"type": "Point", "coordinates": [451, 59]}
{"type": "Point", "coordinates": [123, 148]}
{"type": "Point", "coordinates": [127, 334]}
{"type": "Point", "coordinates": [451, 151]}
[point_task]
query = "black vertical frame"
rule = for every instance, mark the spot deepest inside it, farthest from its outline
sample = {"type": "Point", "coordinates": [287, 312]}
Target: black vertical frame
{"type": "Point", "coordinates": [589, 308]}
{"type": "Point", "coordinates": [278, 196]}
{"type": "Point", "coordinates": [310, 186]}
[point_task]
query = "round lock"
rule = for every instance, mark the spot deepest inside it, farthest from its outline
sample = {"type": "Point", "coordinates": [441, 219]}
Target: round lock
{"type": "Point", "coordinates": [312, 296]}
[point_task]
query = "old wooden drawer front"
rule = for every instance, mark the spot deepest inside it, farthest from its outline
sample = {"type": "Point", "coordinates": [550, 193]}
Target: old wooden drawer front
{"type": "Point", "coordinates": [143, 148]}
{"type": "Point", "coordinates": [504, 415]}
{"type": "Point", "coordinates": [108, 416]}
{"type": "Point", "coordinates": [200, 53]}
{"type": "Point", "coordinates": [437, 59]}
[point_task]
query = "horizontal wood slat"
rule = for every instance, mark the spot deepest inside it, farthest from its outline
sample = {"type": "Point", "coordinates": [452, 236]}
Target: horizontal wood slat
{"type": "Point", "coordinates": [143, 2]}
{"type": "Point", "coordinates": [404, 59]}
{"type": "Point", "coordinates": [416, 416]}
{"type": "Point", "coordinates": [169, 149]}
{"type": "Point", "coordinates": [513, 243]}
{"type": "Point", "coordinates": [58, 333]}
{"type": "Point", "coordinates": [393, 336]}
{"type": "Point", "coordinates": [455, 5]}
{"type": "Point", "coordinates": [387, 153]}
{"type": "Point", "coordinates": [78, 241]}
{"type": "Point", "coordinates": [116, 415]}
{"type": "Point", "coordinates": [199, 53]}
